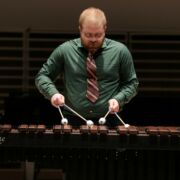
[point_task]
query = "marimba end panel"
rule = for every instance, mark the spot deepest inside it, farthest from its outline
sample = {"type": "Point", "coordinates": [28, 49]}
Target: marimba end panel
{"type": "Point", "coordinates": [12, 174]}
{"type": "Point", "coordinates": [50, 174]}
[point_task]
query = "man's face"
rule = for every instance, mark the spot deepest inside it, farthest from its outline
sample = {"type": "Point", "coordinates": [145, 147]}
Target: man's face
{"type": "Point", "coordinates": [92, 36]}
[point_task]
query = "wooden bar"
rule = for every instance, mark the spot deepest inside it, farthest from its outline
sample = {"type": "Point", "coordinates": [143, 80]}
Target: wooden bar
{"type": "Point", "coordinates": [174, 131]}
{"type": "Point", "coordinates": [23, 128]}
{"type": "Point", "coordinates": [93, 129]}
{"type": "Point", "coordinates": [6, 128]}
{"type": "Point", "coordinates": [152, 130]}
{"type": "Point", "coordinates": [122, 130]}
{"type": "Point", "coordinates": [163, 130]}
{"type": "Point", "coordinates": [103, 129]}
{"type": "Point", "coordinates": [41, 128]}
{"type": "Point", "coordinates": [132, 130]}
{"type": "Point", "coordinates": [57, 128]}
{"type": "Point", "coordinates": [84, 129]}
{"type": "Point", "coordinates": [32, 128]}
{"type": "Point", "coordinates": [67, 129]}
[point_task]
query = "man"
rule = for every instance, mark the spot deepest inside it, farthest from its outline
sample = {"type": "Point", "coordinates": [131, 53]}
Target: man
{"type": "Point", "coordinates": [91, 90]}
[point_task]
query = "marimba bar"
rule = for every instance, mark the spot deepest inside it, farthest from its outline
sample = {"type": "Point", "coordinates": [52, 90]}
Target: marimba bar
{"type": "Point", "coordinates": [149, 130]}
{"type": "Point", "coordinates": [120, 137]}
{"type": "Point", "coordinates": [97, 152]}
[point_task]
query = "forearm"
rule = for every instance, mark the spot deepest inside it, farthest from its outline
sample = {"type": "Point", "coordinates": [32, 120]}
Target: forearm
{"type": "Point", "coordinates": [127, 92]}
{"type": "Point", "coordinates": [45, 86]}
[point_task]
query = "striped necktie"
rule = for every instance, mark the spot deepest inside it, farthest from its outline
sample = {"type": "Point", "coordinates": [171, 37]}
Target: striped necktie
{"type": "Point", "coordinates": [92, 84]}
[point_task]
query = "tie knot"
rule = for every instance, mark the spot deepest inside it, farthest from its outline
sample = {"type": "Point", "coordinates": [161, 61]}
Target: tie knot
{"type": "Point", "coordinates": [90, 55]}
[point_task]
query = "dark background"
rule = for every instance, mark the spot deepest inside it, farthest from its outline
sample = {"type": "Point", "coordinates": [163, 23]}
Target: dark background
{"type": "Point", "coordinates": [63, 15]}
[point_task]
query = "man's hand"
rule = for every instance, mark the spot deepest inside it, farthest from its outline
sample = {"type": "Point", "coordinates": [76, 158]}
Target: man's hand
{"type": "Point", "coordinates": [57, 100]}
{"type": "Point", "coordinates": [114, 105]}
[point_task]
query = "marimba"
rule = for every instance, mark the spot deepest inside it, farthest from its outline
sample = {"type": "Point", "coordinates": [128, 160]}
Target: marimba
{"type": "Point", "coordinates": [149, 137]}
{"type": "Point", "coordinates": [96, 152]}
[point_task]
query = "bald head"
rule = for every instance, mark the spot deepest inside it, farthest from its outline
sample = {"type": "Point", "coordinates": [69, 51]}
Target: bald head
{"type": "Point", "coordinates": [92, 16]}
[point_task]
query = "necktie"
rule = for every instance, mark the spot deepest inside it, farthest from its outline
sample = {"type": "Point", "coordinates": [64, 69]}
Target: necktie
{"type": "Point", "coordinates": [92, 84]}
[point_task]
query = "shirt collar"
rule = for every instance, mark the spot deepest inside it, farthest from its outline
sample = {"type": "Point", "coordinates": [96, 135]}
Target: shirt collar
{"type": "Point", "coordinates": [81, 46]}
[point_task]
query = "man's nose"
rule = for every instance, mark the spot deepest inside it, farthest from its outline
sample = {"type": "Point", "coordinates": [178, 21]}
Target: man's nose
{"type": "Point", "coordinates": [93, 39]}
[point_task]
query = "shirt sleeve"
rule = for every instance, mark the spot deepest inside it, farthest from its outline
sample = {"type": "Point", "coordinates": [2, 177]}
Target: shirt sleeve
{"type": "Point", "coordinates": [50, 70]}
{"type": "Point", "coordinates": [128, 81]}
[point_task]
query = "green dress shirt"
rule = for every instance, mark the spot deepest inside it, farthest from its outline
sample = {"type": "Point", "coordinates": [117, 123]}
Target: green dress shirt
{"type": "Point", "coordinates": [115, 72]}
